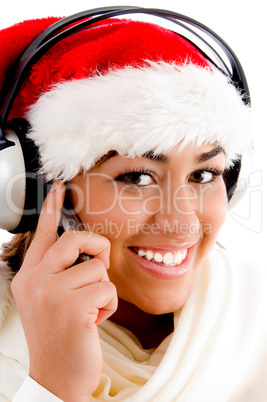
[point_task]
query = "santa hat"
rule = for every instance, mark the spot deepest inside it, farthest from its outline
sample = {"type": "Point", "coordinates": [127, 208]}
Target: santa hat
{"type": "Point", "coordinates": [122, 85]}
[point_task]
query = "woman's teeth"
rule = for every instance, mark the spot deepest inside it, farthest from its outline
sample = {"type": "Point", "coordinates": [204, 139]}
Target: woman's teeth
{"type": "Point", "coordinates": [169, 258]}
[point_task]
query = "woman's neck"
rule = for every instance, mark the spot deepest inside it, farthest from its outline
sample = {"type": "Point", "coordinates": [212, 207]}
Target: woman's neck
{"type": "Point", "coordinates": [150, 329]}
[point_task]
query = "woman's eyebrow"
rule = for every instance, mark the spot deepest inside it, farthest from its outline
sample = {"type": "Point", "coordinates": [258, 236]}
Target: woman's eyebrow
{"type": "Point", "coordinates": [149, 155]}
{"type": "Point", "coordinates": [208, 155]}
{"type": "Point", "coordinates": [156, 157]}
{"type": "Point", "coordinates": [162, 158]}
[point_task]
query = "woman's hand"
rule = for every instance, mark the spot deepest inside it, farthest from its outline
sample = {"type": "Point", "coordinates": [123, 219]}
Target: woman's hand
{"type": "Point", "coordinates": [60, 308]}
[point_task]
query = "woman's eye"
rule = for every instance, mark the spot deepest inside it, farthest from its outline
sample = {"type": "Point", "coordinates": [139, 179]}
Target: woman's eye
{"type": "Point", "coordinates": [136, 178]}
{"type": "Point", "coordinates": [204, 176]}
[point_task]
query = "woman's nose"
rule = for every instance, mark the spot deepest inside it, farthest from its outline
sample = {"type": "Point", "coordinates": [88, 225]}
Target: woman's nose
{"type": "Point", "coordinates": [179, 210]}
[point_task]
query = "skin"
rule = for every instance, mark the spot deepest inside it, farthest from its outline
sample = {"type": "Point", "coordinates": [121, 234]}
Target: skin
{"type": "Point", "coordinates": [72, 302]}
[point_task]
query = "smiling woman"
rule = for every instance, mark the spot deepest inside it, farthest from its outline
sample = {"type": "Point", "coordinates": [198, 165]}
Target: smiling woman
{"type": "Point", "coordinates": [121, 292]}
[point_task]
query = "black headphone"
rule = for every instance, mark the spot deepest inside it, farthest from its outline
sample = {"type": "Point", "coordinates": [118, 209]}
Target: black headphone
{"type": "Point", "coordinates": [22, 188]}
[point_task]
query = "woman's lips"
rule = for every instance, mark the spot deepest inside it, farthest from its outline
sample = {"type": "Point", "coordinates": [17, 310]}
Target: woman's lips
{"type": "Point", "coordinates": [164, 263]}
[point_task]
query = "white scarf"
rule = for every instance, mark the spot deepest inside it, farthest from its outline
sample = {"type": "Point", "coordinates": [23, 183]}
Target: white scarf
{"type": "Point", "coordinates": [211, 352]}
{"type": "Point", "coordinates": [210, 356]}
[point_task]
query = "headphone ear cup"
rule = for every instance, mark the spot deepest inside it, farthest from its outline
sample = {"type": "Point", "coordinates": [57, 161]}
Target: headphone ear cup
{"type": "Point", "coordinates": [12, 183]}
{"type": "Point", "coordinates": [22, 188]}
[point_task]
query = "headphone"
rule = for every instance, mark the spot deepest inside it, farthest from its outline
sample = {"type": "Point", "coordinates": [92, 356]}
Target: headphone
{"type": "Point", "coordinates": [22, 188]}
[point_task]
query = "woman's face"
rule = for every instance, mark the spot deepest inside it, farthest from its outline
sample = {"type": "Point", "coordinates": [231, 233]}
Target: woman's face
{"type": "Point", "coordinates": [161, 213]}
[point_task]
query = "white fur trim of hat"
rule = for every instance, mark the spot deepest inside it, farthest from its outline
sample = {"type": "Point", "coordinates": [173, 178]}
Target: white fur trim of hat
{"type": "Point", "coordinates": [135, 110]}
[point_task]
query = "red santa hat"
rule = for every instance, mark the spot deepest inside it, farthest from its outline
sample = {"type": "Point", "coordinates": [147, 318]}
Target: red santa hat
{"type": "Point", "coordinates": [121, 85]}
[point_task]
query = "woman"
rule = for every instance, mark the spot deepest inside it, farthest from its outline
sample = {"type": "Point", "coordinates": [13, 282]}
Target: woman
{"type": "Point", "coordinates": [144, 132]}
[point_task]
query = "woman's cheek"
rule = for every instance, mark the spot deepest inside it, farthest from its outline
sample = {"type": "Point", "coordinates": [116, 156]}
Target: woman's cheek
{"type": "Point", "coordinates": [214, 209]}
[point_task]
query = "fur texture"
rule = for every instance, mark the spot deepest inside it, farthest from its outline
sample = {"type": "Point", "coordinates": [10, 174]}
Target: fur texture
{"type": "Point", "coordinates": [133, 110]}
{"type": "Point", "coordinates": [14, 39]}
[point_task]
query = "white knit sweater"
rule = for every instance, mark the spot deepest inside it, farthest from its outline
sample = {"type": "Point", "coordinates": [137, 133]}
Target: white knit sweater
{"type": "Point", "coordinates": [217, 352]}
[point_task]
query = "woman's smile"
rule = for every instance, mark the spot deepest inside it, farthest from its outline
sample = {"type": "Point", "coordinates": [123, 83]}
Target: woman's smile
{"type": "Point", "coordinates": [163, 264]}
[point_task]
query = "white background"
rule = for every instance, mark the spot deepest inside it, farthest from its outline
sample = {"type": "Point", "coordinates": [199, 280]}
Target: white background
{"type": "Point", "coordinates": [241, 23]}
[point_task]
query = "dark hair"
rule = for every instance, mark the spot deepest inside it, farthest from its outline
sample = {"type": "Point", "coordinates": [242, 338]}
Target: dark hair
{"type": "Point", "coordinates": [14, 251]}
{"type": "Point", "coordinates": [230, 177]}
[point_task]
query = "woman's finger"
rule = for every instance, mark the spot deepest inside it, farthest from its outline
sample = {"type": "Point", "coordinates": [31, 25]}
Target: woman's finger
{"type": "Point", "coordinates": [46, 232]}
{"type": "Point", "coordinates": [63, 253]}
{"type": "Point", "coordinates": [81, 275]}
{"type": "Point", "coordinates": [95, 303]}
